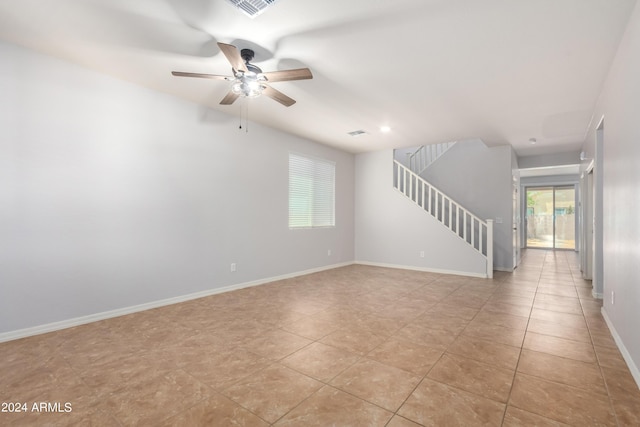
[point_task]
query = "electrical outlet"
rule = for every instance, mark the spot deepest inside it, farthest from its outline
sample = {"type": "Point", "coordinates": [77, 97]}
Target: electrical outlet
{"type": "Point", "coordinates": [329, 252]}
{"type": "Point", "coordinates": [233, 267]}
{"type": "Point", "coordinates": [613, 297]}
{"type": "Point", "coordinates": [421, 254]}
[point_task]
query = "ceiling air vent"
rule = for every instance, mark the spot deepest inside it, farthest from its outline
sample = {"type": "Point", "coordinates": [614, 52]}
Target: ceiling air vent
{"type": "Point", "coordinates": [356, 133]}
{"type": "Point", "coordinates": [252, 8]}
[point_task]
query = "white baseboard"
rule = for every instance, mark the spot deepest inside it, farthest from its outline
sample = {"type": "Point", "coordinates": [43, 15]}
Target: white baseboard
{"type": "Point", "coordinates": [427, 270]}
{"type": "Point", "coordinates": [635, 372]}
{"type": "Point", "coordinates": [597, 295]}
{"type": "Point", "coordinates": [77, 321]}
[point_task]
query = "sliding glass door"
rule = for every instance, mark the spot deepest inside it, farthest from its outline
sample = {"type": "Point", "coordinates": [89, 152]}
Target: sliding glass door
{"type": "Point", "coordinates": [550, 217]}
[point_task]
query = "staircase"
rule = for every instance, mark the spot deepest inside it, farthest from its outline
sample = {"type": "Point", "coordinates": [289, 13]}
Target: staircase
{"type": "Point", "coordinates": [464, 224]}
{"type": "Point", "coordinates": [420, 159]}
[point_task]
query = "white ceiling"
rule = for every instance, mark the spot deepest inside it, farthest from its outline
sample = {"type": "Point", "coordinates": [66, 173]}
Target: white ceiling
{"type": "Point", "coordinates": [504, 71]}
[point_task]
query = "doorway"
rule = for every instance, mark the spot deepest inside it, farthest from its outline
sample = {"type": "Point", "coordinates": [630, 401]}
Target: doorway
{"type": "Point", "coordinates": [587, 240]}
{"type": "Point", "coordinates": [550, 217]}
{"type": "Point", "coordinates": [516, 224]}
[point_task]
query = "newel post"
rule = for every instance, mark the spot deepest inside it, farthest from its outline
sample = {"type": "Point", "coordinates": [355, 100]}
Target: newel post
{"type": "Point", "coordinates": [489, 249]}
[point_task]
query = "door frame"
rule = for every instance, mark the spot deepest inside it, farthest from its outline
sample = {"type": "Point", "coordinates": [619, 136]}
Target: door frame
{"type": "Point", "coordinates": [516, 223]}
{"type": "Point", "coordinates": [587, 222]}
{"type": "Point", "coordinates": [553, 187]}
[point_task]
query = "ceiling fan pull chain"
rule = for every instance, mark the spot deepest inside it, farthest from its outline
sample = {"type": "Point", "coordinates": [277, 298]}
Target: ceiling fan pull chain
{"type": "Point", "coordinates": [246, 119]}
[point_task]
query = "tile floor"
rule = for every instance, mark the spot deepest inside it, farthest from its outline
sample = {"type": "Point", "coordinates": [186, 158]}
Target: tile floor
{"type": "Point", "coordinates": [355, 346]}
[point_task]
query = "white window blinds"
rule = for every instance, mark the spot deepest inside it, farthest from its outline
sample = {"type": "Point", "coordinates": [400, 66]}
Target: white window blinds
{"type": "Point", "coordinates": [311, 192]}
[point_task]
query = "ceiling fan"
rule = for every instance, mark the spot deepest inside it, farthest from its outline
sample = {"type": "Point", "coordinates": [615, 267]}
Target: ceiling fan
{"type": "Point", "coordinates": [248, 80]}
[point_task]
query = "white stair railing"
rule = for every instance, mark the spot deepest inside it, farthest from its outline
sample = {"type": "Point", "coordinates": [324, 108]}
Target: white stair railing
{"type": "Point", "coordinates": [420, 159]}
{"type": "Point", "coordinates": [474, 231]}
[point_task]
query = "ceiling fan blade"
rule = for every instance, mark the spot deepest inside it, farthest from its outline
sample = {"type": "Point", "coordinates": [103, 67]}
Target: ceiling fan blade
{"type": "Point", "coordinates": [286, 75]}
{"type": "Point", "coordinates": [233, 56]}
{"type": "Point", "coordinates": [203, 76]}
{"type": "Point", "coordinates": [278, 96]}
{"type": "Point", "coordinates": [229, 98]}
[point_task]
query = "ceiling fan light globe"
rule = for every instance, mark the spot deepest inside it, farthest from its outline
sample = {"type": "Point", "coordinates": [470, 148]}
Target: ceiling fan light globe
{"type": "Point", "coordinates": [247, 88]}
{"type": "Point", "coordinates": [237, 87]}
{"type": "Point", "coordinates": [254, 85]}
{"type": "Point", "coordinates": [253, 89]}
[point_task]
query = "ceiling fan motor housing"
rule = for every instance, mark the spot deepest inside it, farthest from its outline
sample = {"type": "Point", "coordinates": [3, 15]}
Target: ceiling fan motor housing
{"type": "Point", "coordinates": [247, 54]}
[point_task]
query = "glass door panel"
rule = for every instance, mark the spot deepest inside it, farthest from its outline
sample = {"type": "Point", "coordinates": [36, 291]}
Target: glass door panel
{"type": "Point", "coordinates": [551, 217]}
{"type": "Point", "coordinates": [565, 230]}
{"type": "Point", "coordinates": [540, 217]}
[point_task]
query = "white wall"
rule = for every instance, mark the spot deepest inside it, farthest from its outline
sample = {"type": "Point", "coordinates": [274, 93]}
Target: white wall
{"type": "Point", "coordinates": [480, 178]}
{"type": "Point", "coordinates": [112, 195]}
{"type": "Point", "coordinates": [619, 104]}
{"type": "Point", "coordinates": [545, 160]}
{"type": "Point", "coordinates": [549, 180]}
{"type": "Point", "coordinates": [392, 230]}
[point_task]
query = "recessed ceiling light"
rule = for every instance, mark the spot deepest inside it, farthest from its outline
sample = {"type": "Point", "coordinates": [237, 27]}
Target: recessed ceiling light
{"type": "Point", "coordinates": [385, 129]}
{"type": "Point", "coordinates": [532, 141]}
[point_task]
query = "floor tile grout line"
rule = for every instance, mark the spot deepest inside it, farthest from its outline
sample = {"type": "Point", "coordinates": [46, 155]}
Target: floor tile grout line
{"type": "Point", "coordinates": [366, 357]}
{"type": "Point", "coordinates": [609, 397]}
{"type": "Point", "coordinates": [392, 334]}
{"type": "Point", "coordinates": [416, 387]}
{"type": "Point", "coordinates": [426, 375]}
{"type": "Point", "coordinates": [515, 372]}
{"type": "Point", "coordinates": [324, 383]}
{"type": "Point", "coordinates": [604, 378]}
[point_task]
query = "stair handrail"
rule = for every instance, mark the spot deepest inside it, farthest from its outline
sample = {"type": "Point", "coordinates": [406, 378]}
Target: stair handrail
{"type": "Point", "coordinates": [425, 155]}
{"type": "Point", "coordinates": [420, 201]}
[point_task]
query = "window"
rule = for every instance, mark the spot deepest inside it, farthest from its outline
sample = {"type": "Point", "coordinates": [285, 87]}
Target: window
{"type": "Point", "coordinates": [311, 192]}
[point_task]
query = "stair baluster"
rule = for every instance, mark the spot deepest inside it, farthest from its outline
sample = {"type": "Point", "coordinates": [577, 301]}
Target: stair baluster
{"type": "Point", "coordinates": [474, 231]}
